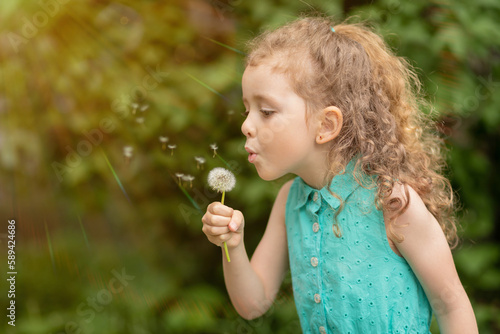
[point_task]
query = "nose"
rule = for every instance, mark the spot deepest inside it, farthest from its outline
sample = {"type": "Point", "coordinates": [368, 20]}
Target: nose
{"type": "Point", "coordinates": [248, 128]}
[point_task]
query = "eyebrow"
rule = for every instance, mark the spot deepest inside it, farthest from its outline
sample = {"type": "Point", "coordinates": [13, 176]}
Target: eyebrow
{"type": "Point", "coordinates": [263, 97]}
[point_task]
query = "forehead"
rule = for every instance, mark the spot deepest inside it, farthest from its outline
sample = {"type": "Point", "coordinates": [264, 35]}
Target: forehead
{"type": "Point", "coordinates": [294, 67]}
{"type": "Point", "coordinates": [263, 79]}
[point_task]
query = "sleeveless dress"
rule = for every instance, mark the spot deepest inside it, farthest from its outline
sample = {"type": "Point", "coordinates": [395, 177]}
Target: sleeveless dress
{"type": "Point", "coordinates": [354, 283]}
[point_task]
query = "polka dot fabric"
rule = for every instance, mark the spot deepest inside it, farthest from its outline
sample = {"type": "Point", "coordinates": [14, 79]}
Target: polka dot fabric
{"type": "Point", "coordinates": [354, 283]}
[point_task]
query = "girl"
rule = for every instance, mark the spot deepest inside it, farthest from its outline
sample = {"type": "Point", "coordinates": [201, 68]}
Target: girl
{"type": "Point", "coordinates": [367, 225]}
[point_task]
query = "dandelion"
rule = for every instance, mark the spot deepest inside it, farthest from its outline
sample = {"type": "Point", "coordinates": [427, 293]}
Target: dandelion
{"type": "Point", "coordinates": [128, 152]}
{"type": "Point", "coordinates": [188, 178]}
{"type": "Point", "coordinates": [200, 161]}
{"type": "Point", "coordinates": [179, 176]}
{"type": "Point", "coordinates": [163, 140]}
{"type": "Point", "coordinates": [172, 147]}
{"type": "Point", "coordinates": [222, 180]}
{"type": "Point", "coordinates": [214, 147]}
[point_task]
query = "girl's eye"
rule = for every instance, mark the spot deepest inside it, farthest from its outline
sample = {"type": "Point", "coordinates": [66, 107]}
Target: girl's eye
{"type": "Point", "coordinates": [267, 113]}
{"type": "Point", "coordinates": [264, 112]}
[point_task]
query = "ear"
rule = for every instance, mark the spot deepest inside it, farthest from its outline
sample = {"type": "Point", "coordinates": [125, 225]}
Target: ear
{"type": "Point", "coordinates": [330, 124]}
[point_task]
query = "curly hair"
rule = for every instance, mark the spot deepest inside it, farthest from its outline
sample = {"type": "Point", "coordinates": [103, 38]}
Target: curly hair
{"type": "Point", "coordinates": [380, 97]}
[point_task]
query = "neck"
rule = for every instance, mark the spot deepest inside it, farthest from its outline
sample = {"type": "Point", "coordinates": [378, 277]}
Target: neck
{"type": "Point", "coordinates": [316, 175]}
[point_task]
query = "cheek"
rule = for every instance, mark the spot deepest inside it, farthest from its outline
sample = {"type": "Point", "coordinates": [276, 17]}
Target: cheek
{"type": "Point", "coordinates": [267, 136]}
{"type": "Point", "coordinates": [280, 124]}
{"type": "Point", "coordinates": [272, 131]}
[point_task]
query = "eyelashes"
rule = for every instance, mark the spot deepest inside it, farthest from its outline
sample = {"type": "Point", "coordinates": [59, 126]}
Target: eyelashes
{"type": "Point", "coordinates": [266, 113]}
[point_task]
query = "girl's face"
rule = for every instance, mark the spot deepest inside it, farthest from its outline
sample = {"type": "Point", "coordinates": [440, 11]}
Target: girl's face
{"type": "Point", "coordinates": [279, 140]}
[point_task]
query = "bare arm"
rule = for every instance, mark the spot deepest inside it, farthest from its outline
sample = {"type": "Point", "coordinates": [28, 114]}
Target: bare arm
{"type": "Point", "coordinates": [427, 251]}
{"type": "Point", "coordinates": [252, 285]}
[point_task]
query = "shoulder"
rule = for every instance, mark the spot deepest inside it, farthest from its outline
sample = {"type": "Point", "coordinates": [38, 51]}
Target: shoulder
{"type": "Point", "coordinates": [414, 209]}
{"type": "Point", "coordinates": [415, 225]}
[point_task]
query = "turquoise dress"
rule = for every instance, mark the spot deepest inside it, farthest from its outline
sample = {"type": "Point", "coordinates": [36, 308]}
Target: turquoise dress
{"type": "Point", "coordinates": [354, 283]}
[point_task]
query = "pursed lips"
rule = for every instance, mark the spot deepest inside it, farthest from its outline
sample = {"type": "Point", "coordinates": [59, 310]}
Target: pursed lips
{"type": "Point", "coordinates": [251, 154]}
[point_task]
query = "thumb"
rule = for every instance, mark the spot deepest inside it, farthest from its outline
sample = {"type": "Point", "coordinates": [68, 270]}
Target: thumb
{"type": "Point", "coordinates": [233, 227]}
{"type": "Point", "coordinates": [236, 221]}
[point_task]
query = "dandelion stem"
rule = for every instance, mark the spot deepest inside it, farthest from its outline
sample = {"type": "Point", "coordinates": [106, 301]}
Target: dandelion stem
{"type": "Point", "coordinates": [226, 46]}
{"type": "Point", "coordinates": [224, 161]}
{"type": "Point", "coordinates": [83, 230]}
{"type": "Point", "coordinates": [189, 198]}
{"type": "Point", "coordinates": [225, 244]}
{"type": "Point", "coordinates": [227, 252]}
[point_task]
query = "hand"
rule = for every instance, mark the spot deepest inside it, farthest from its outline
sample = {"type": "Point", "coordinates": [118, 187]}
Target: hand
{"type": "Point", "coordinates": [222, 223]}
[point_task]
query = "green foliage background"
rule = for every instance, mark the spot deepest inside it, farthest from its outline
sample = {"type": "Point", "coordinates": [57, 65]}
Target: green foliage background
{"type": "Point", "coordinates": [71, 73]}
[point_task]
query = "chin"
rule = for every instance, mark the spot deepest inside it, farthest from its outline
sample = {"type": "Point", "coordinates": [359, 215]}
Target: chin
{"type": "Point", "coordinates": [268, 175]}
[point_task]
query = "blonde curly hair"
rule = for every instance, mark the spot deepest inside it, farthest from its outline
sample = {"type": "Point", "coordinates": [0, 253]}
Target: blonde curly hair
{"type": "Point", "coordinates": [379, 95]}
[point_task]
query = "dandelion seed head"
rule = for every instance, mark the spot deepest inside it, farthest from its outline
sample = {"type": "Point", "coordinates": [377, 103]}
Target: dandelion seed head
{"type": "Point", "coordinates": [163, 139]}
{"type": "Point", "coordinates": [179, 175]}
{"type": "Point", "coordinates": [221, 179]}
{"type": "Point", "coordinates": [213, 146]}
{"type": "Point", "coordinates": [172, 146]}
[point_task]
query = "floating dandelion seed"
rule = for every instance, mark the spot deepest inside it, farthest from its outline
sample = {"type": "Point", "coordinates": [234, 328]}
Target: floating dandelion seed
{"type": "Point", "coordinates": [163, 140]}
{"type": "Point", "coordinates": [200, 161]}
{"type": "Point", "coordinates": [172, 148]}
{"type": "Point", "coordinates": [144, 107]}
{"type": "Point", "coordinates": [128, 152]}
{"type": "Point", "coordinates": [134, 107]}
{"type": "Point", "coordinates": [188, 178]}
{"type": "Point", "coordinates": [214, 147]}
{"type": "Point", "coordinates": [179, 176]}
{"type": "Point", "coordinates": [222, 180]}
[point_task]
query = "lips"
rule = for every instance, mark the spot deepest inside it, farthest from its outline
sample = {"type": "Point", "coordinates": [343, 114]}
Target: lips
{"type": "Point", "coordinates": [251, 155]}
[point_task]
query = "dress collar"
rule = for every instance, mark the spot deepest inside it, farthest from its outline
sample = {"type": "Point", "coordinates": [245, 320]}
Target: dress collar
{"type": "Point", "coordinates": [342, 184]}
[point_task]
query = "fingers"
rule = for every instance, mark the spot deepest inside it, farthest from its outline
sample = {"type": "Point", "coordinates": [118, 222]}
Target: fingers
{"type": "Point", "coordinates": [215, 220]}
{"type": "Point", "coordinates": [217, 208]}
{"type": "Point", "coordinates": [214, 230]}
{"type": "Point", "coordinates": [221, 223]}
{"type": "Point", "coordinates": [216, 235]}
{"type": "Point", "coordinates": [218, 214]}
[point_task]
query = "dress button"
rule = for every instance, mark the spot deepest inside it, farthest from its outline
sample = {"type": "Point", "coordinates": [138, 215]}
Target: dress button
{"type": "Point", "coordinates": [317, 298]}
{"type": "Point", "coordinates": [315, 197]}
{"type": "Point", "coordinates": [322, 330]}
{"type": "Point", "coordinates": [315, 227]}
{"type": "Point", "coordinates": [314, 261]}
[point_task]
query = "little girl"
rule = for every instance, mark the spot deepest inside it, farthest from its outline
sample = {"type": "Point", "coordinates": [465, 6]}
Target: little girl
{"type": "Point", "coordinates": [367, 225]}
